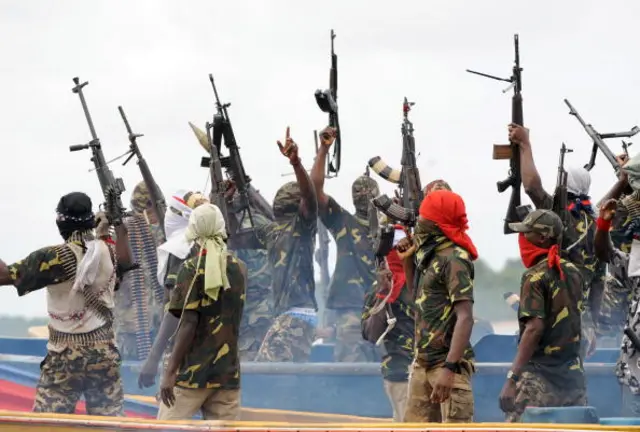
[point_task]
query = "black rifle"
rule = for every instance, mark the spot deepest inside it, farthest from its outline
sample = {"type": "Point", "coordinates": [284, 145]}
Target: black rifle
{"type": "Point", "coordinates": [217, 195]}
{"type": "Point", "coordinates": [157, 198]}
{"type": "Point", "coordinates": [411, 193]}
{"type": "Point", "coordinates": [327, 100]}
{"type": "Point", "coordinates": [322, 253]}
{"type": "Point", "coordinates": [511, 151]}
{"type": "Point", "coordinates": [560, 194]}
{"type": "Point", "coordinates": [233, 163]}
{"type": "Point", "coordinates": [112, 187]}
{"type": "Point", "coordinates": [598, 140]}
{"type": "Point", "coordinates": [625, 147]}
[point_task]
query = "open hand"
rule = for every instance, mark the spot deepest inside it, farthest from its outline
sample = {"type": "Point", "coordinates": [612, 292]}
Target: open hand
{"type": "Point", "coordinates": [166, 388]}
{"type": "Point", "coordinates": [443, 385]}
{"type": "Point", "coordinates": [289, 149]}
{"type": "Point", "coordinates": [608, 209]}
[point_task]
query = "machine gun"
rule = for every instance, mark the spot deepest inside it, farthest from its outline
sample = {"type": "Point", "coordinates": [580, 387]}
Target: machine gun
{"type": "Point", "coordinates": [598, 140]}
{"type": "Point", "coordinates": [112, 187]}
{"type": "Point", "coordinates": [157, 198]}
{"type": "Point", "coordinates": [222, 130]}
{"type": "Point", "coordinates": [511, 151]}
{"type": "Point", "coordinates": [327, 100]}
{"type": "Point", "coordinates": [322, 253]}
{"type": "Point", "coordinates": [560, 194]}
{"type": "Point", "coordinates": [410, 187]}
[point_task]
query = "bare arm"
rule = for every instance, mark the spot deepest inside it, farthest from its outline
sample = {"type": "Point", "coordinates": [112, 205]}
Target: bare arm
{"type": "Point", "coordinates": [317, 176]}
{"type": "Point", "coordinates": [530, 177]}
{"type": "Point", "coordinates": [167, 329]}
{"type": "Point", "coordinates": [123, 251]}
{"type": "Point", "coordinates": [602, 240]}
{"type": "Point", "coordinates": [461, 331]}
{"type": "Point", "coordinates": [308, 201]}
{"type": "Point", "coordinates": [616, 191]}
{"type": "Point", "coordinates": [529, 340]}
{"type": "Point", "coordinates": [184, 340]}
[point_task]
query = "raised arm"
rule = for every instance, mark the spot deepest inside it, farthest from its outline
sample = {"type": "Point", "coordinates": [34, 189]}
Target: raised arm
{"type": "Point", "coordinates": [530, 177]}
{"type": "Point", "coordinates": [619, 187]}
{"type": "Point", "coordinates": [327, 137]}
{"type": "Point", "coordinates": [308, 201]}
{"type": "Point", "coordinates": [602, 240]}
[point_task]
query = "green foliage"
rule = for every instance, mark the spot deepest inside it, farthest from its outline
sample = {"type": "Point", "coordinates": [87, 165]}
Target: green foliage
{"type": "Point", "coordinates": [11, 326]}
{"type": "Point", "coordinates": [490, 287]}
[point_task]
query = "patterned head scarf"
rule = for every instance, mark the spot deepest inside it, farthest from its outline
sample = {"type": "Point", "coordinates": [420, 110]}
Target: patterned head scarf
{"type": "Point", "coordinates": [363, 190]}
{"type": "Point", "coordinates": [287, 201]}
{"type": "Point", "coordinates": [207, 228]}
{"type": "Point", "coordinates": [74, 214]}
{"type": "Point", "coordinates": [141, 199]}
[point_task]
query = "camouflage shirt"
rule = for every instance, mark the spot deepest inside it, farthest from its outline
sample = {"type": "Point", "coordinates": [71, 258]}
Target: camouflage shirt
{"type": "Point", "coordinates": [258, 302]}
{"type": "Point", "coordinates": [354, 273]}
{"type": "Point", "coordinates": [399, 342]}
{"type": "Point", "coordinates": [579, 235]}
{"type": "Point", "coordinates": [212, 360]}
{"type": "Point", "coordinates": [446, 279]}
{"type": "Point", "coordinates": [49, 265]}
{"type": "Point", "coordinates": [559, 304]}
{"type": "Point", "coordinates": [290, 245]}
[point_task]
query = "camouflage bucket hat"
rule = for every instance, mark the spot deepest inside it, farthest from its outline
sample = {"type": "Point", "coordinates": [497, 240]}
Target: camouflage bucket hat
{"type": "Point", "coordinates": [140, 198]}
{"type": "Point", "coordinates": [287, 200]}
{"type": "Point", "coordinates": [544, 222]}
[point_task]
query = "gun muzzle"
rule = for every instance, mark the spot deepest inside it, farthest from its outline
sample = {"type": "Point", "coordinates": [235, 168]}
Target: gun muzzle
{"type": "Point", "coordinates": [78, 147]}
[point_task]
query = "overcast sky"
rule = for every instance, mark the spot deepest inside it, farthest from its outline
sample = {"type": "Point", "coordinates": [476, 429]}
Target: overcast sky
{"type": "Point", "coordinates": [268, 58]}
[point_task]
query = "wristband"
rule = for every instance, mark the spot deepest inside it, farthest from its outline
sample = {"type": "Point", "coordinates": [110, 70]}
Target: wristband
{"type": "Point", "coordinates": [603, 225]}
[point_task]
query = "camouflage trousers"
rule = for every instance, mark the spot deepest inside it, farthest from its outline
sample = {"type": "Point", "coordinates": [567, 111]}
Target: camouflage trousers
{"type": "Point", "coordinates": [89, 371]}
{"type": "Point", "coordinates": [350, 346]}
{"type": "Point", "coordinates": [251, 336]}
{"type": "Point", "coordinates": [534, 390]}
{"type": "Point", "coordinates": [457, 409]}
{"type": "Point", "coordinates": [289, 339]}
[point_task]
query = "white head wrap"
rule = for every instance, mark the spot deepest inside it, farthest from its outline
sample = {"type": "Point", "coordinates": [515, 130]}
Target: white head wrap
{"type": "Point", "coordinates": [207, 228]}
{"type": "Point", "coordinates": [578, 181]}
{"type": "Point", "coordinates": [176, 219]}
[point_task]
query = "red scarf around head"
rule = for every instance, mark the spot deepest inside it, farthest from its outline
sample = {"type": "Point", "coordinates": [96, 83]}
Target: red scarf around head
{"type": "Point", "coordinates": [447, 210]}
{"type": "Point", "coordinates": [530, 254]}
{"type": "Point", "coordinates": [395, 265]}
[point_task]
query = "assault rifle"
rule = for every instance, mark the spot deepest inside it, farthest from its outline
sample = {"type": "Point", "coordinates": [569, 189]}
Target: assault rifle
{"type": "Point", "coordinates": [327, 100]}
{"type": "Point", "coordinates": [222, 130]}
{"type": "Point", "coordinates": [157, 198]}
{"type": "Point", "coordinates": [511, 151]}
{"type": "Point", "coordinates": [598, 140]}
{"type": "Point", "coordinates": [322, 253]}
{"type": "Point", "coordinates": [560, 194]}
{"type": "Point", "coordinates": [411, 193]}
{"type": "Point", "coordinates": [625, 147]}
{"type": "Point", "coordinates": [112, 187]}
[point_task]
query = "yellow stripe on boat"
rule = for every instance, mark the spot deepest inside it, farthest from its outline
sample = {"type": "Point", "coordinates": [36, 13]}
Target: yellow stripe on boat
{"type": "Point", "coordinates": [40, 422]}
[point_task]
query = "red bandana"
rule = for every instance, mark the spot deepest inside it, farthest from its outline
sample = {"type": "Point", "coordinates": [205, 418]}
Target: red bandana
{"type": "Point", "coordinates": [530, 254]}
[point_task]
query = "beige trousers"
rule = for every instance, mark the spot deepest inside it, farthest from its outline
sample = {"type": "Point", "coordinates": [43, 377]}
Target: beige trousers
{"type": "Point", "coordinates": [215, 404]}
{"type": "Point", "coordinates": [397, 393]}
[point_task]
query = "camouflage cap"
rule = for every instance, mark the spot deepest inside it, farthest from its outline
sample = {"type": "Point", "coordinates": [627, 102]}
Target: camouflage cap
{"type": "Point", "coordinates": [543, 222]}
{"type": "Point", "coordinates": [287, 200]}
{"type": "Point", "coordinates": [140, 198]}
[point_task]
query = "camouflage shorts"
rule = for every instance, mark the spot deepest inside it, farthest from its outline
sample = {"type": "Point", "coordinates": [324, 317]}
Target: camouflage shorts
{"type": "Point", "coordinates": [350, 346]}
{"type": "Point", "coordinates": [533, 390]}
{"type": "Point", "coordinates": [288, 340]}
{"type": "Point", "coordinates": [457, 409]}
{"type": "Point", "coordinates": [89, 371]}
{"type": "Point", "coordinates": [251, 338]}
